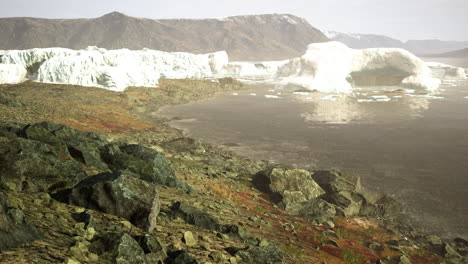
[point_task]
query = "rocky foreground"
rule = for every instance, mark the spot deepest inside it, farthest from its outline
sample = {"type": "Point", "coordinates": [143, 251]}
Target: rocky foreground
{"type": "Point", "coordinates": [94, 176]}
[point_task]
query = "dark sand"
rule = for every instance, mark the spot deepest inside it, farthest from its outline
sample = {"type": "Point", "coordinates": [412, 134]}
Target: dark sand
{"type": "Point", "coordinates": [414, 147]}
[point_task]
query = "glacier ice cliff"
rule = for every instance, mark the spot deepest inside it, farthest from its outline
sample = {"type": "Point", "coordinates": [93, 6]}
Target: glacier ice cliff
{"type": "Point", "coordinates": [110, 69]}
{"type": "Point", "coordinates": [325, 67]}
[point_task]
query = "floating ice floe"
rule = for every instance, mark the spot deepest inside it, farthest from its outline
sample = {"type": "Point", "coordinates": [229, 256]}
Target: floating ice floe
{"type": "Point", "coordinates": [330, 97]}
{"type": "Point", "coordinates": [364, 100]}
{"type": "Point", "coordinates": [379, 96]}
{"type": "Point", "coordinates": [271, 96]}
{"type": "Point", "coordinates": [301, 93]}
{"type": "Point", "coordinates": [235, 94]}
{"type": "Point", "coordinates": [430, 96]}
{"type": "Point", "coordinates": [383, 100]}
{"type": "Point", "coordinates": [253, 94]}
{"type": "Point", "coordinates": [397, 96]}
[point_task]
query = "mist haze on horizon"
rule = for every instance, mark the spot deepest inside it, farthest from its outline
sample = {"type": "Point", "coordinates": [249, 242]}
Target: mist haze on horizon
{"type": "Point", "coordinates": [404, 20]}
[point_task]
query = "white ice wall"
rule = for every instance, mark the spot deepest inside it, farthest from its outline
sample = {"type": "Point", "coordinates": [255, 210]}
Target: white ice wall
{"type": "Point", "coordinates": [110, 69]}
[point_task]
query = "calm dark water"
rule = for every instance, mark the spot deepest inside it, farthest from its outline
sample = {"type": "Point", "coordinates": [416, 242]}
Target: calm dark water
{"type": "Point", "coordinates": [410, 145]}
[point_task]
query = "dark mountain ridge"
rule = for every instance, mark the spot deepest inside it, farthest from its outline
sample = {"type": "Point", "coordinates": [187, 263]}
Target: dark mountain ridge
{"type": "Point", "coordinates": [251, 37]}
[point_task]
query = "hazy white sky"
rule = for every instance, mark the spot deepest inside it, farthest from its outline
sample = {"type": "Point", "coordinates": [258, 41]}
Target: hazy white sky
{"type": "Point", "coordinates": [402, 19]}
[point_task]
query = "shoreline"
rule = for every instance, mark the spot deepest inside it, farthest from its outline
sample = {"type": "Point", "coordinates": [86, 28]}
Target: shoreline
{"type": "Point", "coordinates": [205, 166]}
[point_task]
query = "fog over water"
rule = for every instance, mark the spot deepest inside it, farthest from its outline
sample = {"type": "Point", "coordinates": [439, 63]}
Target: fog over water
{"type": "Point", "coordinates": [413, 146]}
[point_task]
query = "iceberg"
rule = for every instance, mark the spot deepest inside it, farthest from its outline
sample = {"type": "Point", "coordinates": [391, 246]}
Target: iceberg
{"type": "Point", "coordinates": [446, 71]}
{"type": "Point", "coordinates": [110, 69]}
{"type": "Point", "coordinates": [332, 67]}
{"type": "Point", "coordinates": [329, 67]}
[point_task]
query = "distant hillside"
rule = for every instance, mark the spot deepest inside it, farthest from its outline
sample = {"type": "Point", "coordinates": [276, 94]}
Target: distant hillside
{"type": "Point", "coordinates": [419, 47]}
{"type": "Point", "coordinates": [463, 53]}
{"type": "Point", "coordinates": [364, 41]}
{"type": "Point", "coordinates": [254, 37]}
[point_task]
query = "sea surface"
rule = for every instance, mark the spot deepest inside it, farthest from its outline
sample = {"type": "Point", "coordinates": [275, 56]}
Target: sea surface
{"type": "Point", "coordinates": [404, 143]}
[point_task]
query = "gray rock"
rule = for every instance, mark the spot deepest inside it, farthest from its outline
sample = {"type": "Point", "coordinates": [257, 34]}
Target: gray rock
{"type": "Point", "coordinates": [180, 257]}
{"type": "Point", "coordinates": [121, 249]}
{"type": "Point", "coordinates": [334, 181]}
{"type": "Point", "coordinates": [197, 217]}
{"type": "Point", "coordinates": [189, 239]}
{"type": "Point", "coordinates": [34, 166]}
{"type": "Point", "coordinates": [87, 218]}
{"type": "Point", "coordinates": [259, 255]}
{"type": "Point", "coordinates": [146, 163]}
{"type": "Point", "coordinates": [184, 144]}
{"type": "Point", "coordinates": [316, 211]}
{"type": "Point", "coordinates": [120, 194]}
{"type": "Point", "coordinates": [15, 230]}
{"type": "Point", "coordinates": [82, 146]}
{"type": "Point", "coordinates": [152, 245]}
{"type": "Point", "coordinates": [404, 260]}
{"type": "Point", "coordinates": [194, 216]}
{"type": "Point", "coordinates": [342, 190]}
{"type": "Point", "coordinates": [461, 246]}
{"type": "Point", "coordinates": [287, 185]}
{"type": "Point", "coordinates": [383, 207]}
{"type": "Point", "coordinates": [347, 203]}
{"type": "Point", "coordinates": [10, 130]}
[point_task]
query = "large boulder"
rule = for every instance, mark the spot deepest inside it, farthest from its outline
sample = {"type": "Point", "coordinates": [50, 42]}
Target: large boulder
{"type": "Point", "coordinates": [334, 181]}
{"type": "Point", "coordinates": [197, 217]}
{"type": "Point", "coordinates": [121, 248]}
{"type": "Point", "coordinates": [82, 146]}
{"type": "Point", "coordinates": [194, 216]}
{"type": "Point", "coordinates": [287, 185]}
{"type": "Point", "coordinates": [9, 129]}
{"type": "Point", "coordinates": [153, 248]}
{"type": "Point", "coordinates": [145, 162]}
{"type": "Point", "coordinates": [180, 257]}
{"type": "Point", "coordinates": [30, 165]}
{"type": "Point", "coordinates": [120, 193]}
{"type": "Point", "coordinates": [316, 211]}
{"type": "Point", "coordinates": [259, 255]}
{"type": "Point", "coordinates": [343, 190]}
{"type": "Point", "coordinates": [47, 156]}
{"type": "Point", "coordinates": [15, 230]}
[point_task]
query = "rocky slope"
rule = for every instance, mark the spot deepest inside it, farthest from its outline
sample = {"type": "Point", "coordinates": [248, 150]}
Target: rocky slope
{"type": "Point", "coordinates": [254, 37]}
{"type": "Point", "coordinates": [418, 47]}
{"type": "Point", "coordinates": [126, 188]}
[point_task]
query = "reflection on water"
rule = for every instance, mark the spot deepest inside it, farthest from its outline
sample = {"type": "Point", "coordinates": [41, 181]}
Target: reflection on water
{"type": "Point", "coordinates": [364, 106]}
{"type": "Point", "coordinates": [411, 145]}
